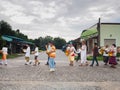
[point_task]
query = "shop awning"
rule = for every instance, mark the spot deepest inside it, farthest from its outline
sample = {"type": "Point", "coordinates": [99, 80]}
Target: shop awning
{"type": "Point", "coordinates": [89, 33]}
{"type": "Point", "coordinates": [7, 38]}
{"type": "Point", "coordinates": [15, 39]}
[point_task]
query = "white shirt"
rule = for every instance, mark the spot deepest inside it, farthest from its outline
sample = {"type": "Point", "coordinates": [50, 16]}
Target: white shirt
{"type": "Point", "coordinates": [83, 49]}
{"type": "Point", "coordinates": [106, 52]}
{"type": "Point", "coordinates": [78, 50]}
{"type": "Point", "coordinates": [36, 51]}
{"type": "Point", "coordinates": [115, 51]}
{"type": "Point", "coordinates": [27, 52]}
{"type": "Point", "coordinates": [48, 48]}
{"type": "Point", "coordinates": [83, 52]}
{"type": "Point", "coordinates": [5, 50]}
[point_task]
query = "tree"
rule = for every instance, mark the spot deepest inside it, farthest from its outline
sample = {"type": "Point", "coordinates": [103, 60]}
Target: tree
{"type": "Point", "coordinates": [59, 42]}
{"type": "Point", "coordinates": [5, 28]}
{"type": "Point", "coordinates": [2, 42]}
{"type": "Point", "coordinates": [41, 42]}
{"type": "Point", "coordinates": [45, 41]}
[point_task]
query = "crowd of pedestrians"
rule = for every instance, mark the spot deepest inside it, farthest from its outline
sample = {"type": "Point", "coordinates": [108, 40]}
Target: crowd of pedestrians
{"type": "Point", "coordinates": [109, 55]}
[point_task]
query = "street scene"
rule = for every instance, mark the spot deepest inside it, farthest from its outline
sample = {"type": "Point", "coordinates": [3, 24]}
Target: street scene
{"type": "Point", "coordinates": [59, 45]}
{"type": "Point", "coordinates": [17, 76]}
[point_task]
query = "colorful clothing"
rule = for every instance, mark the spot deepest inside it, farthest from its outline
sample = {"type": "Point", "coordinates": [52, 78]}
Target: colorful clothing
{"type": "Point", "coordinates": [52, 55]}
{"type": "Point", "coordinates": [83, 54]}
{"type": "Point", "coordinates": [4, 55]}
{"type": "Point", "coordinates": [112, 58]}
{"type": "Point", "coordinates": [71, 56]}
{"type": "Point", "coordinates": [71, 53]}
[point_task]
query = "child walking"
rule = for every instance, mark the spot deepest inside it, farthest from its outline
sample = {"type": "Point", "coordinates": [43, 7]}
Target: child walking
{"type": "Point", "coordinates": [27, 55]}
{"type": "Point", "coordinates": [36, 53]}
{"type": "Point", "coordinates": [4, 55]}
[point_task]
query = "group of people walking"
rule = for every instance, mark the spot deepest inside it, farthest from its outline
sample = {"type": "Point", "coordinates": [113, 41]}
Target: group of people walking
{"type": "Point", "coordinates": [27, 55]}
{"type": "Point", "coordinates": [109, 54]}
{"type": "Point", "coordinates": [50, 51]}
{"type": "Point", "coordinates": [71, 52]}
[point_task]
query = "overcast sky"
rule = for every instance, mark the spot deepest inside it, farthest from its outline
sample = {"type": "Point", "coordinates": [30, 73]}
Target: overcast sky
{"type": "Point", "coordinates": [63, 18]}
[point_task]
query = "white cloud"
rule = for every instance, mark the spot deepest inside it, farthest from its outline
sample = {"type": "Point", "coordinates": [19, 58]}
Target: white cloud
{"type": "Point", "coordinates": [43, 11]}
{"type": "Point", "coordinates": [101, 11]}
{"type": "Point", "coordinates": [10, 9]}
{"type": "Point", "coordinates": [15, 13]}
{"type": "Point", "coordinates": [22, 19]}
{"type": "Point", "coordinates": [63, 18]}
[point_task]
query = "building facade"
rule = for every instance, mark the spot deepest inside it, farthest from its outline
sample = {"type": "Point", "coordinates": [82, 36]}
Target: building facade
{"type": "Point", "coordinates": [103, 34]}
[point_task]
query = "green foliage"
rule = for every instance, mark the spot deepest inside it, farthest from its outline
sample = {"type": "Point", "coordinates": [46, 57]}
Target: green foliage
{"type": "Point", "coordinates": [59, 42]}
{"type": "Point", "coordinates": [41, 42]}
{"type": "Point", "coordinates": [118, 54]}
{"type": "Point", "coordinates": [6, 29]}
{"type": "Point", "coordinates": [2, 42]}
{"type": "Point", "coordinates": [100, 58]}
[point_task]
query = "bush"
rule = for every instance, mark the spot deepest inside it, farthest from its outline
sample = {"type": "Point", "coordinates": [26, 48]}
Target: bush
{"type": "Point", "coordinates": [100, 58]}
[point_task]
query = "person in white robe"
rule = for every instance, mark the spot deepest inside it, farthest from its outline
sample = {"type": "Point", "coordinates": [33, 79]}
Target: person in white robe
{"type": "Point", "coordinates": [83, 52]}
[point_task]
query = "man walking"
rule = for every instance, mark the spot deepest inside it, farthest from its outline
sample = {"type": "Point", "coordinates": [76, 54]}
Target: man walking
{"type": "Point", "coordinates": [95, 54]}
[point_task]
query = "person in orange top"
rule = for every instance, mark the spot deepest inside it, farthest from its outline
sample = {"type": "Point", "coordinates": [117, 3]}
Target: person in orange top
{"type": "Point", "coordinates": [4, 52]}
{"type": "Point", "coordinates": [71, 56]}
{"type": "Point", "coordinates": [52, 55]}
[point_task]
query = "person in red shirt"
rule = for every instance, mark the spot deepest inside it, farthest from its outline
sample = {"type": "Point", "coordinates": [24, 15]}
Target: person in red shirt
{"type": "Point", "coordinates": [95, 54]}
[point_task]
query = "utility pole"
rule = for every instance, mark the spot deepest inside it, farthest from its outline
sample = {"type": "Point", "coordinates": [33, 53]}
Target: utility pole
{"type": "Point", "coordinates": [98, 28]}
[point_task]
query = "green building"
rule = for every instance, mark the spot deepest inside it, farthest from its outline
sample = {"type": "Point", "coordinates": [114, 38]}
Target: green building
{"type": "Point", "coordinates": [103, 34]}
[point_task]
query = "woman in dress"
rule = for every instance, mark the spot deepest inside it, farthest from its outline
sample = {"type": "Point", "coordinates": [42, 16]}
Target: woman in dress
{"type": "Point", "coordinates": [83, 54]}
{"type": "Point", "coordinates": [71, 55]}
{"type": "Point", "coordinates": [112, 56]}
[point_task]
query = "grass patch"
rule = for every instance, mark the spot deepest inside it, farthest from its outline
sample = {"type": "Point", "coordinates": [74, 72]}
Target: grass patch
{"type": "Point", "coordinates": [99, 58]}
